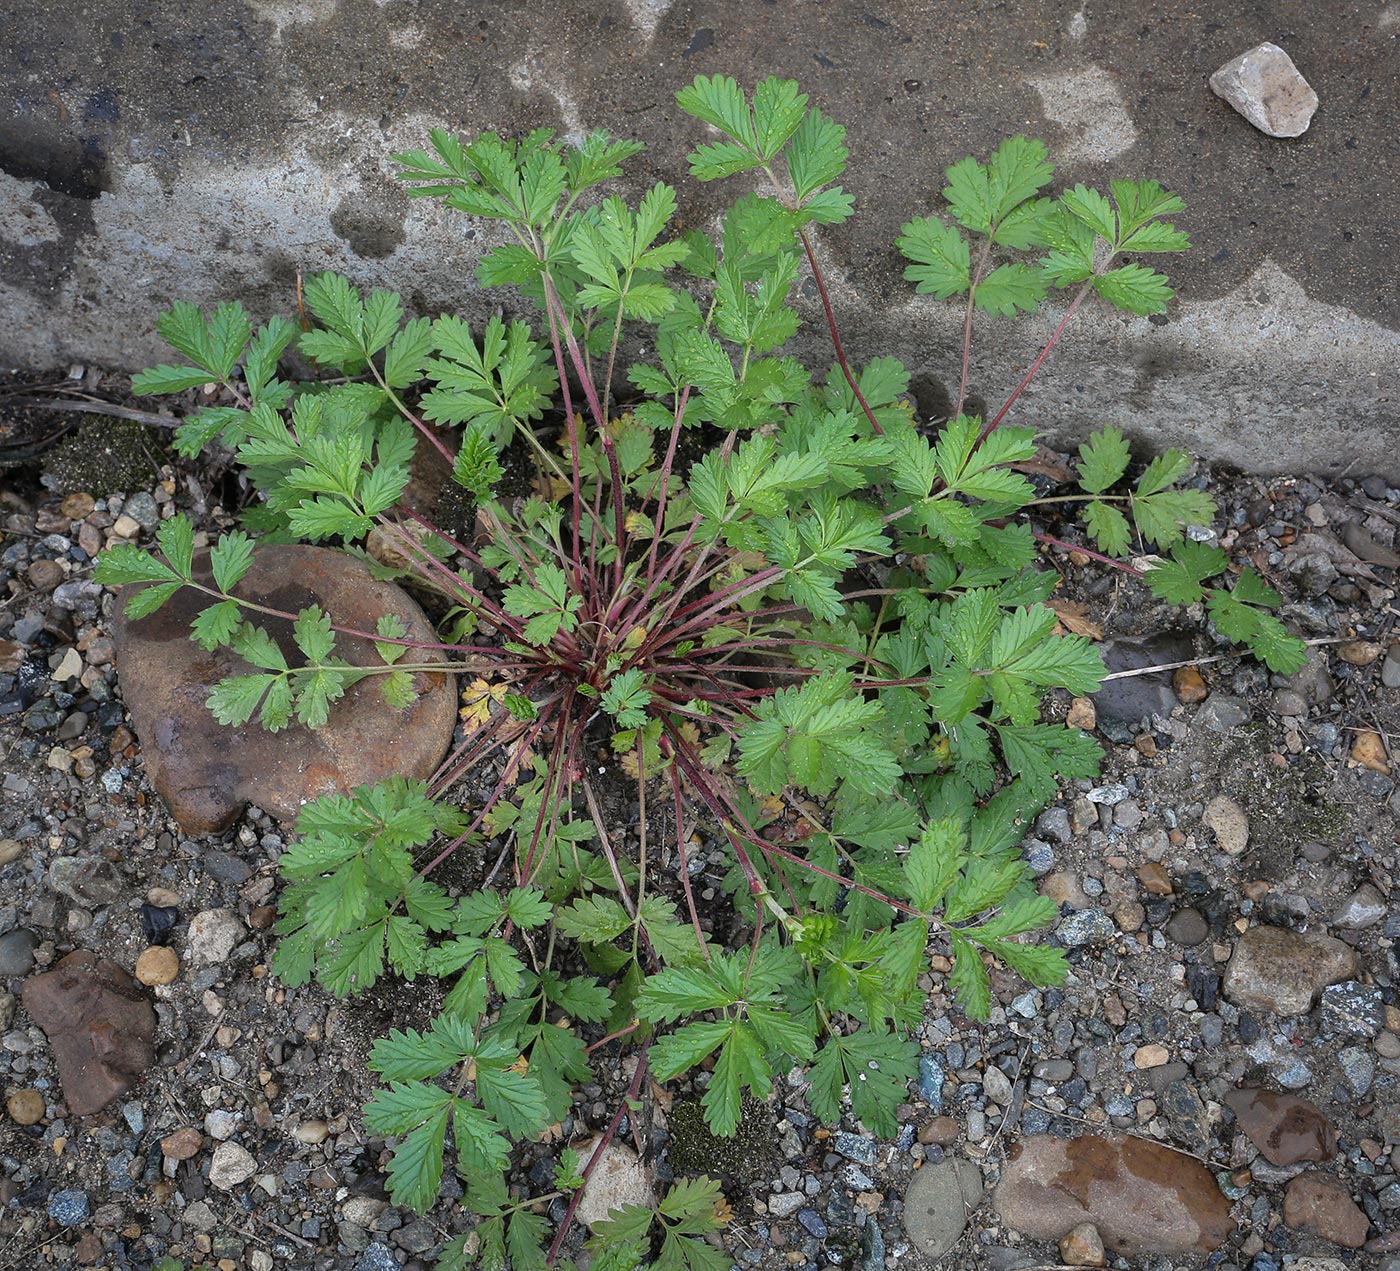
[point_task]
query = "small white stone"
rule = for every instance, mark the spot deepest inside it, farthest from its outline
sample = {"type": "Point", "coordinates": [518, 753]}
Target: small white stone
{"type": "Point", "coordinates": [71, 667]}
{"type": "Point", "coordinates": [230, 1166]}
{"type": "Point", "coordinates": [1268, 90]}
{"type": "Point", "coordinates": [1227, 820]}
{"type": "Point", "coordinates": [213, 935]}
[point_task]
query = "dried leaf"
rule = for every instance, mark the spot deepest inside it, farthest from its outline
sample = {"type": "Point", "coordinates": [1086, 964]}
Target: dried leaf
{"type": "Point", "coordinates": [1075, 617]}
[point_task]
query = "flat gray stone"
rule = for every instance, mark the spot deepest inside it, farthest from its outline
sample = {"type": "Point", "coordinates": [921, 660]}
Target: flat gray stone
{"type": "Point", "coordinates": [937, 1203]}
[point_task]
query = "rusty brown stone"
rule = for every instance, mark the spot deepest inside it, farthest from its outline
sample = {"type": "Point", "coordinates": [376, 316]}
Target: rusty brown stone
{"type": "Point", "coordinates": [1318, 1203]}
{"type": "Point", "coordinates": [100, 1025]}
{"type": "Point", "coordinates": [1155, 878]}
{"type": "Point", "coordinates": [1285, 1128]}
{"type": "Point", "coordinates": [181, 1144]}
{"type": "Point", "coordinates": [1142, 1197]}
{"type": "Point", "coordinates": [208, 773]}
{"type": "Point", "coordinates": [1190, 685]}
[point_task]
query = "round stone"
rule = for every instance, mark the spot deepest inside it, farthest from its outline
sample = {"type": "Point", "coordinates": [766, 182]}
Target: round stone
{"type": "Point", "coordinates": [26, 1107]}
{"type": "Point", "coordinates": [312, 1132]}
{"type": "Point", "coordinates": [157, 965]}
{"type": "Point", "coordinates": [206, 772]}
{"type": "Point", "coordinates": [1187, 927]}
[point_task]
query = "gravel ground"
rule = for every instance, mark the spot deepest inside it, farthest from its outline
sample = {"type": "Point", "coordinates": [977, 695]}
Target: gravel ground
{"type": "Point", "coordinates": [1231, 801]}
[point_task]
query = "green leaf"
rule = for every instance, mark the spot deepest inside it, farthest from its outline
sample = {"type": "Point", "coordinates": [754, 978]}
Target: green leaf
{"type": "Point", "coordinates": [593, 919]}
{"type": "Point", "coordinates": [1178, 581]}
{"type": "Point", "coordinates": [176, 539]}
{"type": "Point", "coordinates": [230, 558]}
{"type": "Point", "coordinates": [186, 329]}
{"type": "Point", "coordinates": [158, 380]}
{"type": "Point", "coordinates": [234, 699]}
{"type": "Point", "coordinates": [1141, 201]}
{"type": "Point", "coordinates": [125, 563]}
{"type": "Point", "coordinates": [1134, 288]}
{"type": "Point", "coordinates": [778, 109]}
{"type": "Point", "coordinates": [215, 625]}
{"type": "Point", "coordinates": [878, 1068]}
{"type": "Point", "coordinates": [1108, 527]}
{"type": "Point", "coordinates": [718, 101]}
{"type": "Point", "coordinates": [1162, 518]}
{"type": "Point", "coordinates": [418, 1114]}
{"type": "Point", "coordinates": [1103, 460]}
{"type": "Point", "coordinates": [971, 983]}
{"type": "Point", "coordinates": [933, 862]}
{"type": "Point", "coordinates": [816, 156]}
{"type": "Point", "coordinates": [942, 261]}
{"type": "Point", "coordinates": [1165, 469]}
{"type": "Point", "coordinates": [1090, 207]}
{"type": "Point", "coordinates": [312, 633]}
{"type": "Point", "coordinates": [1010, 289]}
{"type": "Point", "coordinates": [969, 195]}
{"type": "Point", "coordinates": [514, 1099]}
{"type": "Point", "coordinates": [740, 1069]}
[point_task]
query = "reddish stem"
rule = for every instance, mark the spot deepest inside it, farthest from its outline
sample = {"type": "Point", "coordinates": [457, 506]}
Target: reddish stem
{"type": "Point", "coordinates": [608, 1134]}
{"type": "Point", "coordinates": [1089, 552]}
{"type": "Point", "coordinates": [835, 334]}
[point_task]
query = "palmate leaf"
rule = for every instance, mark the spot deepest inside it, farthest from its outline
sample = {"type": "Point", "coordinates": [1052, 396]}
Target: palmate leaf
{"type": "Point", "coordinates": [1162, 518]}
{"type": "Point", "coordinates": [1103, 460]}
{"type": "Point", "coordinates": [1179, 580]}
{"type": "Point", "coordinates": [1010, 289]}
{"type": "Point", "coordinates": [941, 259]}
{"type": "Point", "coordinates": [1134, 288]}
{"type": "Point", "coordinates": [877, 1067]}
{"type": "Point", "coordinates": [1108, 527]}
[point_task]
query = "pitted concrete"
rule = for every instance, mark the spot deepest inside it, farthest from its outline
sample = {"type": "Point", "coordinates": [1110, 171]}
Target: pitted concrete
{"type": "Point", "coordinates": [213, 149]}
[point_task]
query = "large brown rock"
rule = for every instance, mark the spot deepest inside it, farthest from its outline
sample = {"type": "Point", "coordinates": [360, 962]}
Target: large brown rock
{"type": "Point", "coordinates": [1319, 1203]}
{"type": "Point", "coordinates": [100, 1025]}
{"type": "Point", "coordinates": [1281, 971]}
{"type": "Point", "coordinates": [1285, 1128]}
{"type": "Point", "coordinates": [207, 772]}
{"type": "Point", "coordinates": [1142, 1197]}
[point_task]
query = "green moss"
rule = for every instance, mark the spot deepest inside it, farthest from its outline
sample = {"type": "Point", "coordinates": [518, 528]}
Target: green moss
{"type": "Point", "coordinates": [103, 457]}
{"type": "Point", "coordinates": [747, 1154]}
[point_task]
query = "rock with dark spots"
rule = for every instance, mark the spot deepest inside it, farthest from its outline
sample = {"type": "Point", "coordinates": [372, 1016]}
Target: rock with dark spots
{"type": "Point", "coordinates": [1353, 1009]}
{"type": "Point", "coordinates": [1281, 971]}
{"type": "Point", "coordinates": [1363, 908]}
{"type": "Point", "coordinates": [89, 881]}
{"type": "Point", "coordinates": [1186, 1115]}
{"type": "Point", "coordinates": [1285, 1128]}
{"type": "Point", "coordinates": [1318, 1203]}
{"type": "Point", "coordinates": [937, 1202]}
{"type": "Point", "coordinates": [1088, 926]}
{"type": "Point", "coordinates": [100, 1025]}
{"type": "Point", "coordinates": [206, 772]}
{"type": "Point", "coordinates": [1142, 1197]}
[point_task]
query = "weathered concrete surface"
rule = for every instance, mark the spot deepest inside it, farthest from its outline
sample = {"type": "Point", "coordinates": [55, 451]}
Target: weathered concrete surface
{"type": "Point", "coordinates": [209, 149]}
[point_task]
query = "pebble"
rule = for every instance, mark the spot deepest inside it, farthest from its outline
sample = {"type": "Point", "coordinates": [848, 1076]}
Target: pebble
{"type": "Point", "coordinates": [220, 1125]}
{"type": "Point", "coordinates": [931, 1082]}
{"type": "Point", "coordinates": [1155, 878]}
{"type": "Point", "coordinates": [1353, 1009]}
{"type": "Point", "coordinates": [1227, 820]}
{"type": "Point", "coordinates": [1082, 1246]}
{"type": "Point", "coordinates": [1285, 1128]}
{"type": "Point", "coordinates": [1150, 1056]}
{"type": "Point", "coordinates": [855, 1148]}
{"type": "Point", "coordinates": [997, 1085]}
{"type": "Point", "coordinates": [10, 850]}
{"type": "Point", "coordinates": [1363, 908]}
{"type": "Point", "coordinates": [785, 1204]}
{"type": "Point", "coordinates": [1390, 668]}
{"type": "Point", "coordinates": [182, 1144]}
{"type": "Point", "coordinates": [1188, 928]}
{"type": "Point", "coordinates": [941, 1131]}
{"type": "Point", "coordinates": [312, 1132]}
{"type": "Point", "coordinates": [213, 936]}
{"type": "Point", "coordinates": [1265, 87]}
{"type": "Point", "coordinates": [1369, 751]}
{"type": "Point", "coordinates": [1190, 685]}
{"type": "Point", "coordinates": [1358, 1068]}
{"type": "Point", "coordinates": [1359, 652]}
{"type": "Point", "coordinates": [69, 1207]}
{"type": "Point", "coordinates": [157, 965]}
{"type": "Point", "coordinates": [1224, 714]}
{"type": "Point", "coordinates": [231, 1165]}
{"type": "Point", "coordinates": [1086, 927]}
{"type": "Point", "coordinates": [26, 1107]}
{"type": "Point", "coordinates": [17, 952]}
